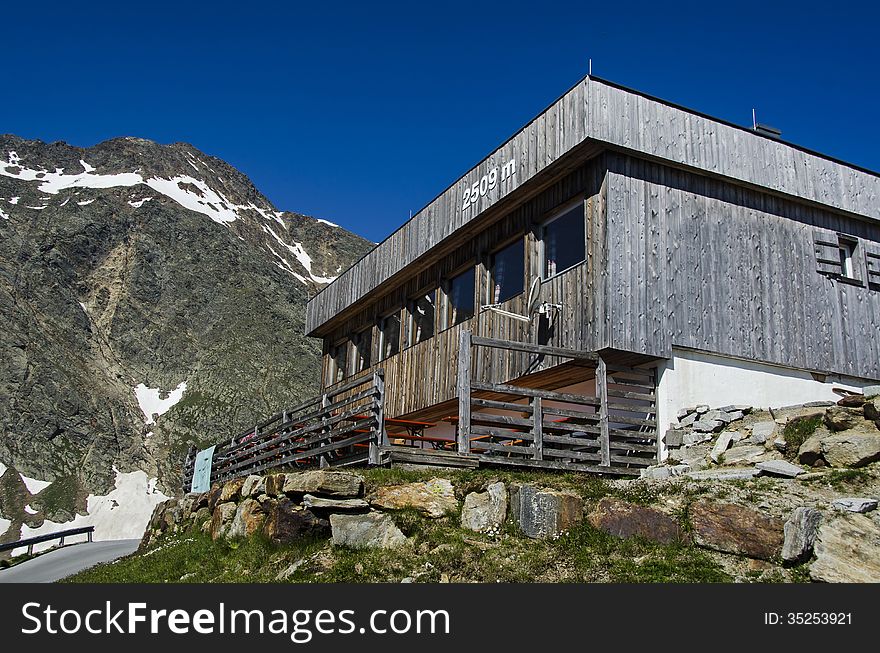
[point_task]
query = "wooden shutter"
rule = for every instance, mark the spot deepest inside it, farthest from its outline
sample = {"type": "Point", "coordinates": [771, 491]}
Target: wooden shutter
{"type": "Point", "coordinates": [872, 264]}
{"type": "Point", "coordinates": [827, 251]}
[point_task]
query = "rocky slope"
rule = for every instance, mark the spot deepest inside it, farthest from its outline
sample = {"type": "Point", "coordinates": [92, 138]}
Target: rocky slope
{"type": "Point", "coordinates": [150, 296]}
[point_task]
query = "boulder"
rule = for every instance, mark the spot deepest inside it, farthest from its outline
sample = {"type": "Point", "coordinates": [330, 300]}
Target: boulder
{"type": "Point", "coordinates": [286, 522]}
{"type": "Point", "coordinates": [841, 419]}
{"type": "Point", "coordinates": [811, 450]}
{"type": "Point", "coordinates": [800, 535]}
{"type": "Point", "coordinates": [201, 516]}
{"type": "Point", "coordinates": [200, 501]}
{"type": "Point", "coordinates": [871, 391]}
{"type": "Point", "coordinates": [748, 455]}
{"type": "Point", "coordinates": [332, 484]}
{"type": "Point", "coordinates": [763, 431]}
{"type": "Point", "coordinates": [847, 550]}
{"type": "Point", "coordinates": [543, 513]}
{"type": "Point", "coordinates": [656, 473]}
{"type": "Point", "coordinates": [707, 425]}
{"type": "Point", "coordinates": [484, 512]}
{"type": "Point", "coordinates": [214, 497]}
{"type": "Point", "coordinates": [701, 409]}
{"type": "Point", "coordinates": [688, 420]}
{"type": "Point", "coordinates": [254, 486]}
{"type": "Point", "coordinates": [367, 531]}
{"type": "Point", "coordinates": [675, 437]}
{"type": "Point", "coordinates": [231, 490]}
{"type": "Point", "coordinates": [852, 401]}
{"type": "Point", "coordinates": [275, 485]}
{"type": "Point", "coordinates": [322, 503]}
{"type": "Point", "coordinates": [872, 409]}
{"type": "Point", "coordinates": [724, 474]}
{"type": "Point", "coordinates": [625, 520]}
{"type": "Point", "coordinates": [221, 520]}
{"type": "Point", "coordinates": [248, 519]}
{"type": "Point", "coordinates": [435, 498]}
{"type": "Point", "coordinates": [691, 439]}
{"type": "Point", "coordinates": [722, 444]}
{"type": "Point", "coordinates": [780, 468]}
{"type": "Point", "coordinates": [851, 449]}
{"type": "Point", "coordinates": [730, 528]}
{"type": "Point", "coordinates": [855, 504]}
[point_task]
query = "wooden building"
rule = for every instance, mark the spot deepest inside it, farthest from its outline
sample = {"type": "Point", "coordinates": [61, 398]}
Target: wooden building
{"type": "Point", "coordinates": [681, 260]}
{"type": "Point", "coordinates": [741, 268]}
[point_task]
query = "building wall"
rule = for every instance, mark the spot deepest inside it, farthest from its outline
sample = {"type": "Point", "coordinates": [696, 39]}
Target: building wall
{"type": "Point", "coordinates": [692, 378]}
{"type": "Point", "coordinates": [595, 114]}
{"type": "Point", "coordinates": [700, 263]}
{"type": "Point", "coordinates": [424, 374]}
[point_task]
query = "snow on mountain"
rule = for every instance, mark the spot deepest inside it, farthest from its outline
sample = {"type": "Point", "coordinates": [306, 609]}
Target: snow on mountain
{"type": "Point", "coordinates": [151, 403]}
{"type": "Point", "coordinates": [120, 514]}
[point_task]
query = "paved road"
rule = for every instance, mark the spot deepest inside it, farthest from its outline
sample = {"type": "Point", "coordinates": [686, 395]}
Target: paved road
{"type": "Point", "coordinates": [66, 561]}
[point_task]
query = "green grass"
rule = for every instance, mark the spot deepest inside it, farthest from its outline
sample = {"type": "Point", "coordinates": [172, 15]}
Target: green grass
{"type": "Point", "coordinates": [437, 550]}
{"type": "Point", "coordinates": [843, 480]}
{"type": "Point", "coordinates": [797, 431]}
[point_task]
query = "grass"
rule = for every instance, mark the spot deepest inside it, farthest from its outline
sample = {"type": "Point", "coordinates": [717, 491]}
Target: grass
{"type": "Point", "coordinates": [797, 431]}
{"type": "Point", "coordinates": [843, 480]}
{"type": "Point", "coordinates": [438, 550]}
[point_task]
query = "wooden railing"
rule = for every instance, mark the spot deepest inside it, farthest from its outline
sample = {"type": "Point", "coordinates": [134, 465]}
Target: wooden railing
{"type": "Point", "coordinates": [59, 535]}
{"type": "Point", "coordinates": [338, 428]}
{"type": "Point", "coordinates": [614, 431]}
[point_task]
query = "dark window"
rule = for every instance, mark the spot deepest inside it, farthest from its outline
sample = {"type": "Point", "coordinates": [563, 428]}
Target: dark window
{"type": "Point", "coordinates": [422, 318]}
{"type": "Point", "coordinates": [507, 272]}
{"type": "Point", "coordinates": [460, 298]}
{"type": "Point", "coordinates": [389, 335]}
{"type": "Point", "coordinates": [847, 250]}
{"type": "Point", "coordinates": [339, 361]}
{"type": "Point", "coordinates": [363, 350]}
{"type": "Point", "coordinates": [563, 241]}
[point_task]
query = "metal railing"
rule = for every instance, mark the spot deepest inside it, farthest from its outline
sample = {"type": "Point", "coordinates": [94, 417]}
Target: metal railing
{"type": "Point", "coordinates": [60, 535]}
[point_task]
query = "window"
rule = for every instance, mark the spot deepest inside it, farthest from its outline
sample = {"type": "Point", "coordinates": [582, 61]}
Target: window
{"type": "Point", "coordinates": [460, 297]}
{"type": "Point", "coordinates": [338, 361]}
{"type": "Point", "coordinates": [563, 241]}
{"type": "Point", "coordinates": [421, 324]}
{"type": "Point", "coordinates": [363, 350]}
{"type": "Point", "coordinates": [846, 250]}
{"type": "Point", "coordinates": [389, 335]}
{"type": "Point", "coordinates": [507, 272]}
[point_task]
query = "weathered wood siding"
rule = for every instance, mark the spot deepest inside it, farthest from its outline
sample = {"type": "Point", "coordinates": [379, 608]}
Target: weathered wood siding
{"type": "Point", "coordinates": [698, 262]}
{"type": "Point", "coordinates": [425, 374]}
{"type": "Point", "coordinates": [593, 115]}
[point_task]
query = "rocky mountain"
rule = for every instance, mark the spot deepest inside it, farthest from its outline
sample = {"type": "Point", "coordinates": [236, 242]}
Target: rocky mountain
{"type": "Point", "coordinates": [151, 297]}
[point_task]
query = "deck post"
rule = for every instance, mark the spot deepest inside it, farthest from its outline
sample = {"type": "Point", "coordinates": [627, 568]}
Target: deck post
{"type": "Point", "coordinates": [464, 392]}
{"type": "Point", "coordinates": [381, 439]}
{"type": "Point", "coordinates": [322, 458]}
{"type": "Point", "coordinates": [538, 427]}
{"type": "Point", "coordinates": [602, 395]}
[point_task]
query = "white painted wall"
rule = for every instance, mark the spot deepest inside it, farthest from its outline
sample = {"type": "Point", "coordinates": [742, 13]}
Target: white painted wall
{"type": "Point", "coordinates": [691, 378]}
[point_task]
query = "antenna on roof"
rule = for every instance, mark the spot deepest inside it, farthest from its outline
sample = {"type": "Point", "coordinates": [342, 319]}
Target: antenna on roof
{"type": "Point", "coordinates": [764, 130]}
{"type": "Point", "coordinates": [754, 120]}
{"type": "Point", "coordinates": [590, 67]}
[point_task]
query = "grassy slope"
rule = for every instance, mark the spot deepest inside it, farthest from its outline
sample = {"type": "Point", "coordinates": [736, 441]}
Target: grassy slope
{"type": "Point", "coordinates": [439, 550]}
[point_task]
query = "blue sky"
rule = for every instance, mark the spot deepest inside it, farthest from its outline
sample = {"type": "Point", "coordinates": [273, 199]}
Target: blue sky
{"type": "Point", "coordinates": [362, 113]}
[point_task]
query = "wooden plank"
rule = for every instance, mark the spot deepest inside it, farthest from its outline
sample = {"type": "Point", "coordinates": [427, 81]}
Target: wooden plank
{"type": "Point", "coordinates": [601, 391]}
{"type": "Point", "coordinates": [537, 428]}
{"type": "Point", "coordinates": [481, 445]}
{"type": "Point", "coordinates": [502, 405]}
{"type": "Point", "coordinates": [535, 349]}
{"type": "Point", "coordinates": [464, 391]}
{"type": "Point", "coordinates": [503, 388]}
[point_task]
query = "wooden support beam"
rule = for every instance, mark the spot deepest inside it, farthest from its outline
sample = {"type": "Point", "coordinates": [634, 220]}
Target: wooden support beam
{"type": "Point", "coordinates": [464, 392]}
{"type": "Point", "coordinates": [530, 348]}
{"type": "Point", "coordinates": [602, 393]}
{"type": "Point", "coordinates": [537, 428]}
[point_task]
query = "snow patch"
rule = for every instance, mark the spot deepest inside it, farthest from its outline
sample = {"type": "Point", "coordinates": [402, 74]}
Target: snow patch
{"type": "Point", "coordinates": [30, 510]}
{"type": "Point", "coordinates": [3, 215]}
{"type": "Point", "coordinates": [299, 252]}
{"type": "Point", "coordinates": [3, 469]}
{"type": "Point", "coordinates": [123, 513]}
{"type": "Point", "coordinates": [209, 203]}
{"type": "Point", "coordinates": [33, 485]}
{"type": "Point", "coordinates": [327, 222]}
{"type": "Point", "coordinates": [151, 404]}
{"type": "Point", "coordinates": [86, 202]}
{"type": "Point", "coordinates": [14, 200]}
{"type": "Point", "coordinates": [4, 525]}
{"type": "Point", "coordinates": [139, 203]}
{"type": "Point", "coordinates": [35, 208]}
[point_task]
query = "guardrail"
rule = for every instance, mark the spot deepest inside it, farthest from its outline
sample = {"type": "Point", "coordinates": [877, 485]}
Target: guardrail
{"type": "Point", "coordinates": [60, 535]}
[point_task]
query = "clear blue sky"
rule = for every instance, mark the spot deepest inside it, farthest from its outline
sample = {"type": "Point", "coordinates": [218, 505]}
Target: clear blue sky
{"type": "Point", "coordinates": [360, 113]}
